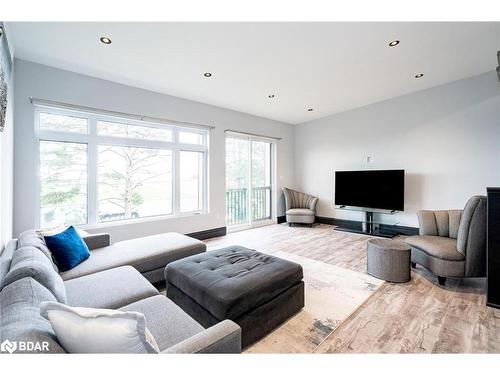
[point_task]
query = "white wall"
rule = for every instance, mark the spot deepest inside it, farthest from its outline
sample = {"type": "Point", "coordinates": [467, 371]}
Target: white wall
{"type": "Point", "coordinates": [49, 83]}
{"type": "Point", "coordinates": [446, 138]}
{"type": "Point", "coordinates": [7, 162]}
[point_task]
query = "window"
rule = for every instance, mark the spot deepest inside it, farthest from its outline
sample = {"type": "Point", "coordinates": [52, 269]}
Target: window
{"type": "Point", "coordinates": [190, 137]}
{"type": "Point", "coordinates": [63, 182]}
{"type": "Point", "coordinates": [52, 121]}
{"type": "Point", "coordinates": [114, 129]}
{"type": "Point", "coordinates": [95, 169]}
{"type": "Point", "coordinates": [191, 181]}
{"type": "Point", "coordinates": [133, 182]}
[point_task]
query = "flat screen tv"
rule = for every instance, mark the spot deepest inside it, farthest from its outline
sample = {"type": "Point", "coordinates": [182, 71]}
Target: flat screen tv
{"type": "Point", "coordinates": [377, 189]}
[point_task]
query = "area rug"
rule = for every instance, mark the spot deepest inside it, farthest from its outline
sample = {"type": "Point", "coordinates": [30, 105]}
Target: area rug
{"type": "Point", "coordinates": [332, 295]}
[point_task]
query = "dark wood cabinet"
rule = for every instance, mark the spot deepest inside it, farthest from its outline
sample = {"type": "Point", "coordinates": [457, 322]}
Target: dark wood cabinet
{"type": "Point", "coordinates": [493, 248]}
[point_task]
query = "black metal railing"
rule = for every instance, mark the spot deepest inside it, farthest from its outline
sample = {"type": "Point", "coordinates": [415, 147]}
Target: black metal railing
{"type": "Point", "coordinates": [237, 205]}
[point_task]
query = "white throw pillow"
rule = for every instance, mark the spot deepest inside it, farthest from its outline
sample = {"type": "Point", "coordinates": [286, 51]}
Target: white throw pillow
{"type": "Point", "coordinates": [86, 330]}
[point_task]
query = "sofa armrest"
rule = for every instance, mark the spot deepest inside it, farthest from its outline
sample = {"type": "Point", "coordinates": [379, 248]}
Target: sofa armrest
{"type": "Point", "coordinates": [96, 241]}
{"type": "Point", "coordinates": [224, 337]}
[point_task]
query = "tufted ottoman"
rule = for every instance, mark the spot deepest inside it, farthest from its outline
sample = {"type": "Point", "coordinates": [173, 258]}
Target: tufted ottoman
{"type": "Point", "coordinates": [255, 290]}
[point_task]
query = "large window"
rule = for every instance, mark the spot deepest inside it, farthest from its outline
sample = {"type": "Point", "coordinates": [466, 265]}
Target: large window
{"type": "Point", "coordinates": [95, 169]}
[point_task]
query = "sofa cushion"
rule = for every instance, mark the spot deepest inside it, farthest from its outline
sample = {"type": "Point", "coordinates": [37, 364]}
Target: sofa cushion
{"type": "Point", "coordinates": [20, 318]}
{"type": "Point", "coordinates": [31, 238]}
{"type": "Point", "coordinates": [28, 261]}
{"type": "Point", "coordinates": [439, 247]}
{"type": "Point", "coordinates": [300, 212]}
{"type": "Point", "coordinates": [88, 330]}
{"type": "Point", "coordinates": [109, 289]}
{"type": "Point", "coordinates": [144, 254]}
{"type": "Point", "coordinates": [67, 248]}
{"type": "Point", "coordinates": [232, 281]}
{"type": "Point", "coordinates": [165, 320]}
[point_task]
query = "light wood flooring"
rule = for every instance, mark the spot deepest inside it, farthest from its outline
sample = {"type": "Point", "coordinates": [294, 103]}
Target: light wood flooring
{"type": "Point", "coordinates": [415, 317]}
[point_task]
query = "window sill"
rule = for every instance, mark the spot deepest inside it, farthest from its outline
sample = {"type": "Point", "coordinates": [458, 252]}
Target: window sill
{"type": "Point", "coordinates": [118, 223]}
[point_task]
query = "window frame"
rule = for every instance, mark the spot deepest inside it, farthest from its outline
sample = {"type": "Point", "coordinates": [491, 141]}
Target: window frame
{"type": "Point", "coordinates": [93, 140]}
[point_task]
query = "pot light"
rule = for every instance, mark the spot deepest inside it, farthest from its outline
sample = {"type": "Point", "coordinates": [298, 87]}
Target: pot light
{"type": "Point", "coordinates": [419, 75]}
{"type": "Point", "coordinates": [394, 43]}
{"type": "Point", "coordinates": [309, 109]}
{"type": "Point", "coordinates": [105, 40]}
{"type": "Point", "coordinates": [208, 74]}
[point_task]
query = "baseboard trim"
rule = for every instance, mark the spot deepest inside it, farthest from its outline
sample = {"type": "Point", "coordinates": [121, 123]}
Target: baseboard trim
{"type": "Point", "coordinates": [281, 219]}
{"type": "Point", "coordinates": [397, 229]}
{"type": "Point", "coordinates": [209, 233]}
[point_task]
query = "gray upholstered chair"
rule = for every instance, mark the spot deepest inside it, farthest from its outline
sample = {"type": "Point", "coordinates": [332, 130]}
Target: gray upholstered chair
{"type": "Point", "coordinates": [300, 207]}
{"type": "Point", "coordinates": [452, 243]}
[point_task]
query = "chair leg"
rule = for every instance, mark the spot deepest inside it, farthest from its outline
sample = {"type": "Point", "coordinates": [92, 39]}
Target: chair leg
{"type": "Point", "coordinates": [413, 265]}
{"type": "Point", "coordinates": [289, 224]}
{"type": "Point", "coordinates": [441, 280]}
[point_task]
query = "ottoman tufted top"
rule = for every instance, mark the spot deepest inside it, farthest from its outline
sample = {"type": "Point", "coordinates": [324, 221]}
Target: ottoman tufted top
{"type": "Point", "coordinates": [234, 280]}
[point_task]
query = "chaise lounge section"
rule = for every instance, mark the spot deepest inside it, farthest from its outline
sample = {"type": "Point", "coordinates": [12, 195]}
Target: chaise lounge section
{"type": "Point", "coordinates": [148, 255]}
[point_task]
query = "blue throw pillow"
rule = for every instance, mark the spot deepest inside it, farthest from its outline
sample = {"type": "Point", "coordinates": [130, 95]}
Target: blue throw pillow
{"type": "Point", "coordinates": [67, 248]}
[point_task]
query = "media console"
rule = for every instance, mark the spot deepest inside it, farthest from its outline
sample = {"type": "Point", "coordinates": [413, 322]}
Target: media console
{"type": "Point", "coordinates": [367, 226]}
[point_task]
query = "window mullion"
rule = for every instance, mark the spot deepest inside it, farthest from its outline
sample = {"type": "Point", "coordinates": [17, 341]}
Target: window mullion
{"type": "Point", "coordinates": [176, 175]}
{"type": "Point", "coordinates": [92, 172]}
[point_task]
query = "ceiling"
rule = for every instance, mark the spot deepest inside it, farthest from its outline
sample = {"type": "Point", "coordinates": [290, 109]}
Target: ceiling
{"type": "Point", "coordinates": [329, 67]}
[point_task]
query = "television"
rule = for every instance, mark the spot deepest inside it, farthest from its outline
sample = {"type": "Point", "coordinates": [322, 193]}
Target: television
{"type": "Point", "coordinates": [376, 189]}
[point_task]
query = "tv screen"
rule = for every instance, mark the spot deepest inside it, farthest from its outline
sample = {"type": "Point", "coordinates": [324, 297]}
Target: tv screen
{"type": "Point", "coordinates": [382, 189]}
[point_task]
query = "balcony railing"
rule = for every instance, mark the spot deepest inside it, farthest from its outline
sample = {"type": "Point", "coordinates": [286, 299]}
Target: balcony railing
{"type": "Point", "coordinates": [237, 205]}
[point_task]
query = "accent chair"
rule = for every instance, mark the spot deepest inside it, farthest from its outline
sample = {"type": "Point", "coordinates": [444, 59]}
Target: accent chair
{"type": "Point", "coordinates": [300, 207]}
{"type": "Point", "coordinates": [452, 243]}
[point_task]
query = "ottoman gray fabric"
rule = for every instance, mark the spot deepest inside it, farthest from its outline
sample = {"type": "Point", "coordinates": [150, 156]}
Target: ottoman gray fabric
{"type": "Point", "coordinates": [255, 290]}
{"type": "Point", "coordinates": [389, 260]}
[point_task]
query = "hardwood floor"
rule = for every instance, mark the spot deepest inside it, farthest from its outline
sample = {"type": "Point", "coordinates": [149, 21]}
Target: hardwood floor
{"type": "Point", "coordinates": [415, 317]}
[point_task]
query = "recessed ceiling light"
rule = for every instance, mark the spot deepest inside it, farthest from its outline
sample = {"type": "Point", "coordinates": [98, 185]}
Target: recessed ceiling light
{"type": "Point", "coordinates": [208, 75]}
{"type": "Point", "coordinates": [309, 109]}
{"type": "Point", "coordinates": [419, 75]}
{"type": "Point", "coordinates": [105, 40]}
{"type": "Point", "coordinates": [271, 96]}
{"type": "Point", "coordinates": [394, 43]}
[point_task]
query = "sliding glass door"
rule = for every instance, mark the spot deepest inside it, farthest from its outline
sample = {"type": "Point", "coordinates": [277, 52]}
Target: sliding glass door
{"type": "Point", "coordinates": [249, 174]}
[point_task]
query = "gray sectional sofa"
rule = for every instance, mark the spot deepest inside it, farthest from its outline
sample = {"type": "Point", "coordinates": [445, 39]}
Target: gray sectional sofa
{"type": "Point", "coordinates": [115, 276]}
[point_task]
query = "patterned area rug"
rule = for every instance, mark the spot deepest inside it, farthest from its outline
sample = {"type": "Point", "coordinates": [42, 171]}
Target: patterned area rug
{"type": "Point", "coordinates": [332, 295]}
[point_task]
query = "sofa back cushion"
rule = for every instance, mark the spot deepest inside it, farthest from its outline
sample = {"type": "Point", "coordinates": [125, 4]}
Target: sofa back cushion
{"type": "Point", "coordinates": [31, 238]}
{"type": "Point", "coordinates": [20, 319]}
{"type": "Point", "coordinates": [442, 223]}
{"type": "Point", "coordinates": [5, 258]}
{"type": "Point", "coordinates": [28, 261]}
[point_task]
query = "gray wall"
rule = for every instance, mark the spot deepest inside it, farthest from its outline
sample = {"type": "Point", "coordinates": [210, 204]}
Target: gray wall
{"type": "Point", "coordinates": [55, 84]}
{"type": "Point", "coordinates": [7, 163]}
{"type": "Point", "coordinates": [446, 138]}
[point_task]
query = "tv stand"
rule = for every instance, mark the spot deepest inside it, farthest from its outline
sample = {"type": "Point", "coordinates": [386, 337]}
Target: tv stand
{"type": "Point", "coordinates": [368, 227]}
